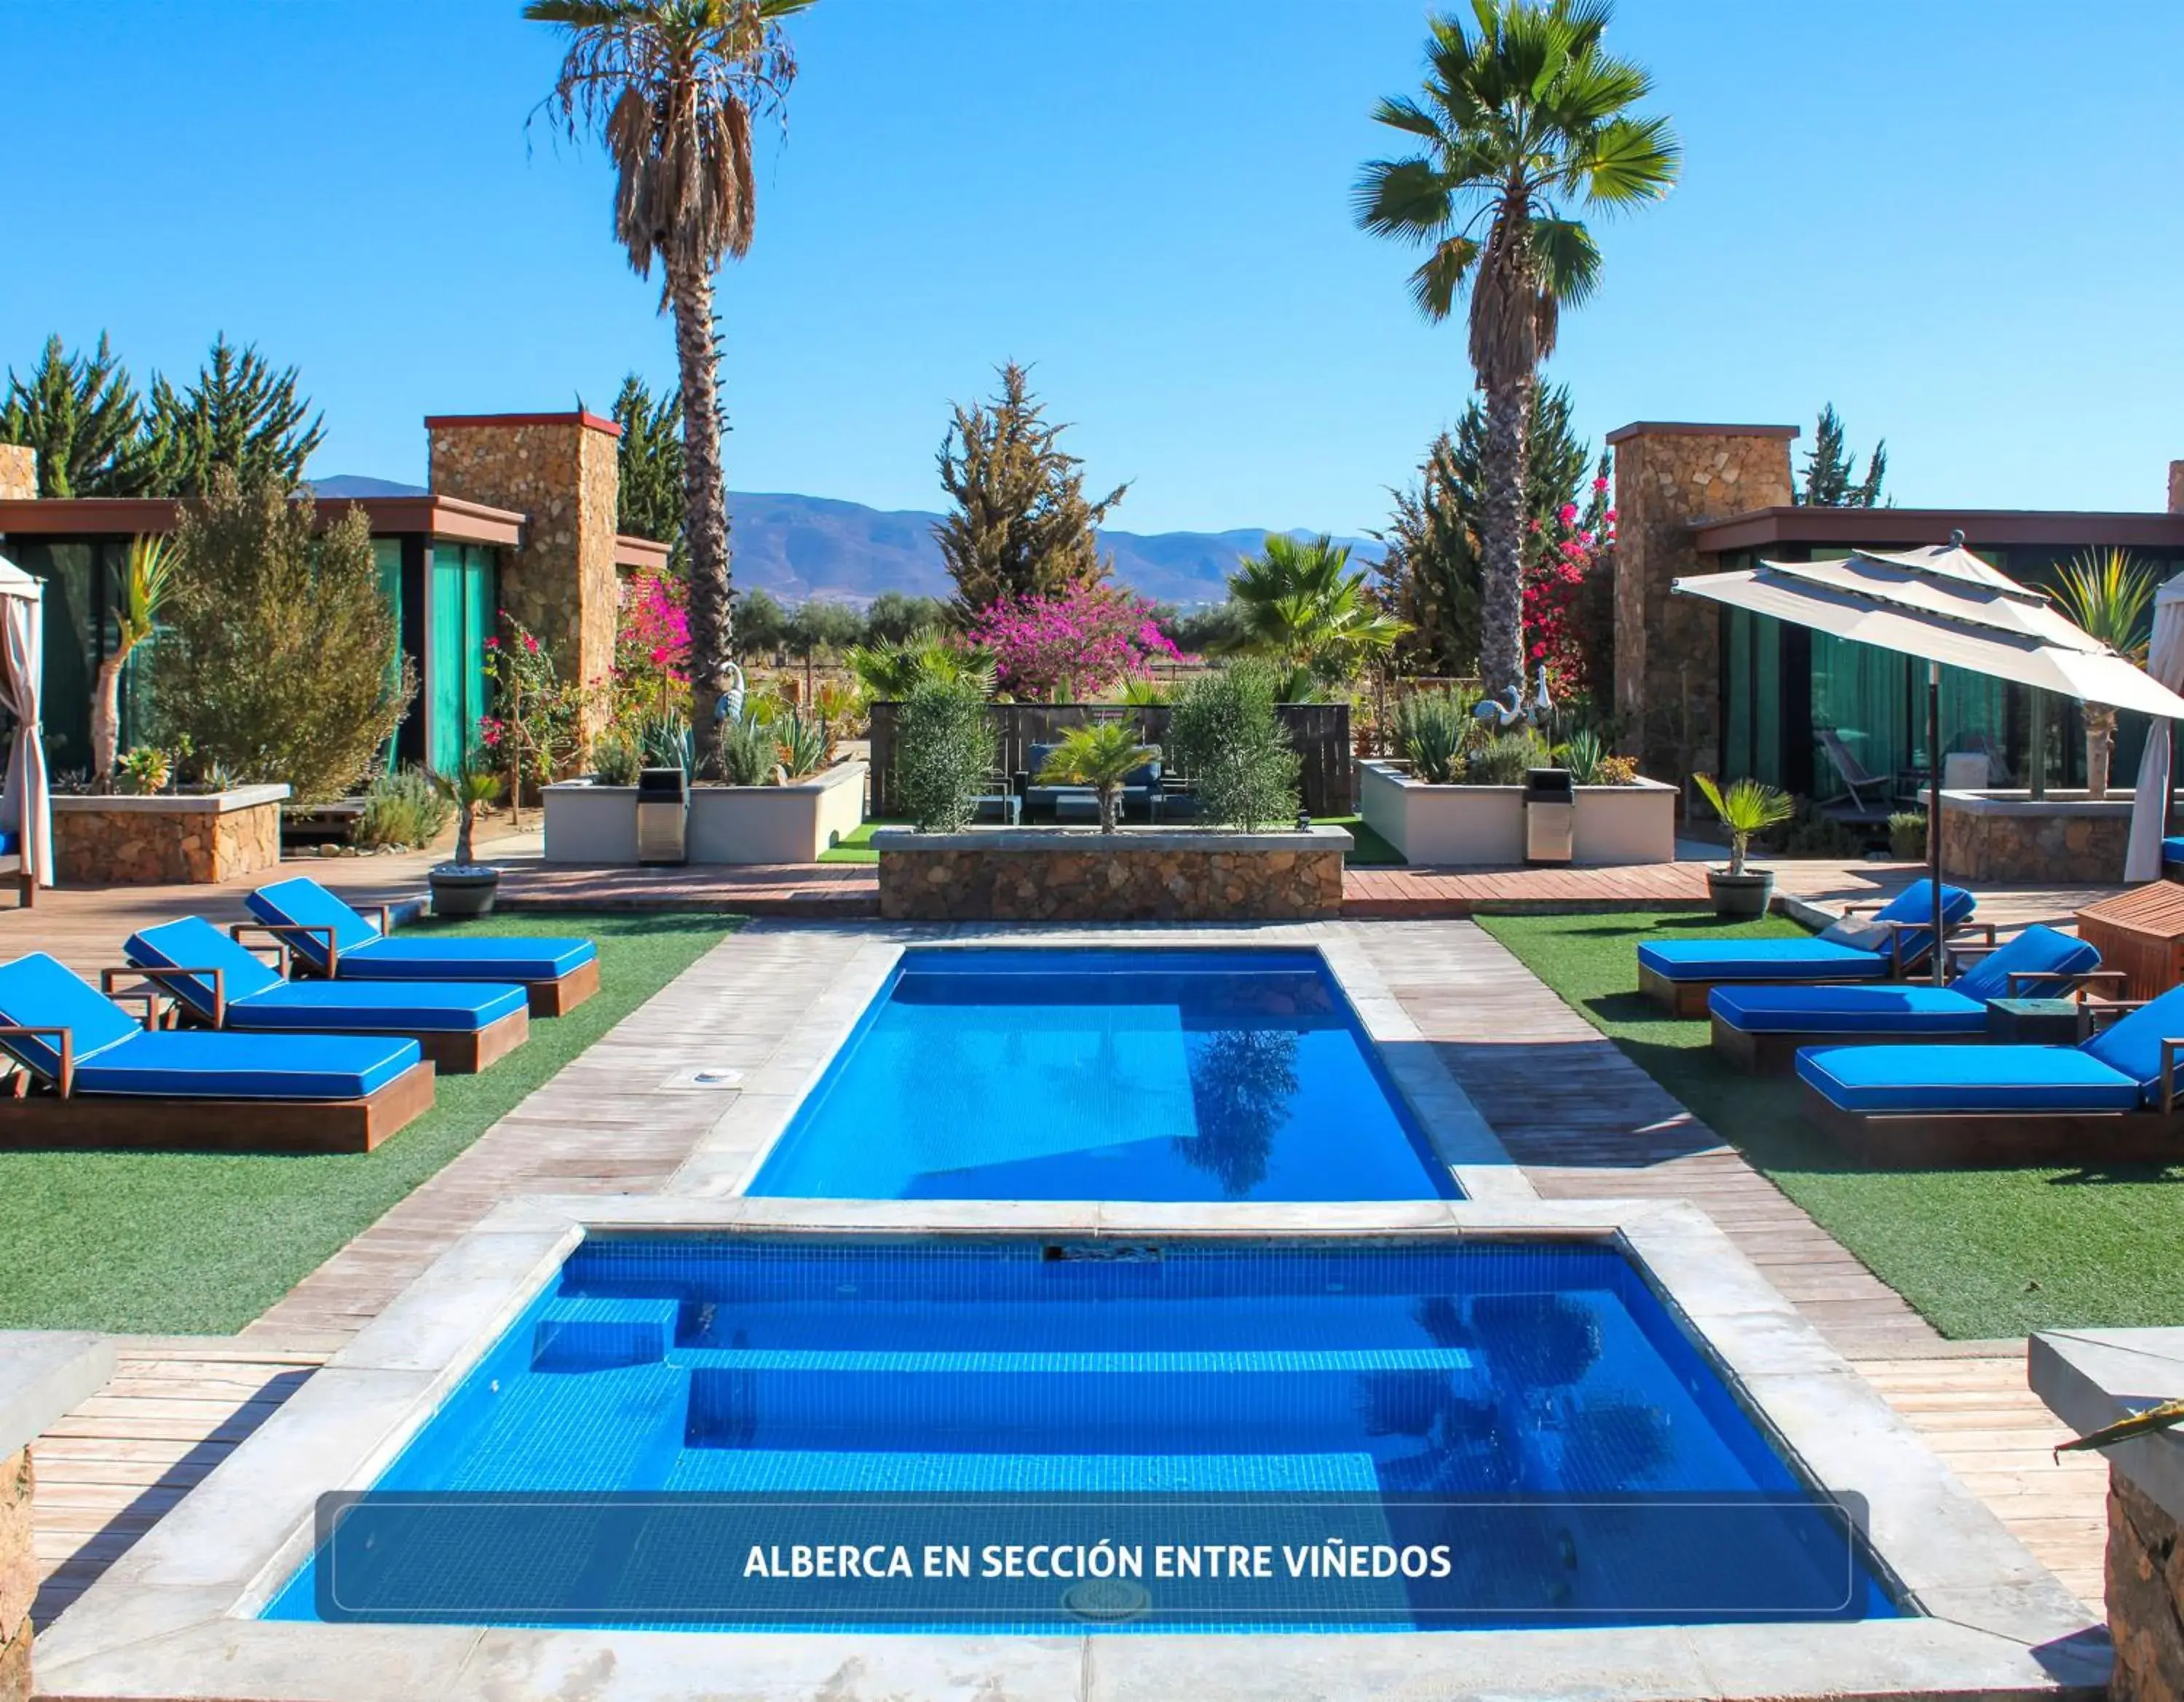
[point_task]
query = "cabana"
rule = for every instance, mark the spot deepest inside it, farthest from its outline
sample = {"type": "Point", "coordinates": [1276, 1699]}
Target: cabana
{"type": "Point", "coordinates": [26, 831]}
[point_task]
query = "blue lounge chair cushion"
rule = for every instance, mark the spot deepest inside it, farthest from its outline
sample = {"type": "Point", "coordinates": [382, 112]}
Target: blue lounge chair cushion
{"type": "Point", "coordinates": [193, 942]}
{"type": "Point", "coordinates": [171, 1064]}
{"type": "Point", "coordinates": [1903, 1007]}
{"type": "Point", "coordinates": [2132, 1046]}
{"type": "Point", "coordinates": [366, 955]}
{"type": "Point", "coordinates": [2172, 850]}
{"type": "Point", "coordinates": [377, 1007]}
{"type": "Point", "coordinates": [40, 990]}
{"type": "Point", "coordinates": [1786, 961]}
{"type": "Point", "coordinates": [2039, 949]}
{"type": "Point", "coordinates": [2032, 1080]}
{"type": "Point", "coordinates": [10, 842]}
{"type": "Point", "coordinates": [1912, 904]}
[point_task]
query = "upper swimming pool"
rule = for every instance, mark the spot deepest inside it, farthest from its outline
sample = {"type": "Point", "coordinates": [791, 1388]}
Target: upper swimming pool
{"type": "Point", "coordinates": [1105, 1074]}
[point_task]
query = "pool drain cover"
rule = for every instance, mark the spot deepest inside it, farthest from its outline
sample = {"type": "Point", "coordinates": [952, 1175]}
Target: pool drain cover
{"type": "Point", "coordinates": [1107, 1599]}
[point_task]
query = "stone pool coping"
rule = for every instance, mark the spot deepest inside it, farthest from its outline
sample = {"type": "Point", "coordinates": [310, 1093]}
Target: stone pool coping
{"type": "Point", "coordinates": [172, 1618]}
{"type": "Point", "coordinates": [731, 1154]}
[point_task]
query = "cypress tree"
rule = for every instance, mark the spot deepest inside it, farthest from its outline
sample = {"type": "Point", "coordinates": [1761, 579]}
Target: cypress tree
{"type": "Point", "coordinates": [1830, 469]}
{"type": "Point", "coordinates": [240, 414]}
{"type": "Point", "coordinates": [82, 415]}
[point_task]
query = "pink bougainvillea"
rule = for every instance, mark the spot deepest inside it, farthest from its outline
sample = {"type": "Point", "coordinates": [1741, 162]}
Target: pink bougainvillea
{"type": "Point", "coordinates": [652, 646]}
{"type": "Point", "coordinates": [1074, 646]}
{"type": "Point", "coordinates": [1557, 564]}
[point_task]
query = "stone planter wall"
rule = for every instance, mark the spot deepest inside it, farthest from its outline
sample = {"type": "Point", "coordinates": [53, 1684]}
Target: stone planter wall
{"type": "Point", "coordinates": [597, 825]}
{"type": "Point", "coordinates": [1060, 875]}
{"type": "Point", "coordinates": [1484, 826]}
{"type": "Point", "coordinates": [2144, 1576]}
{"type": "Point", "coordinates": [163, 841]}
{"type": "Point", "coordinates": [42, 1374]}
{"type": "Point", "coordinates": [2066, 837]}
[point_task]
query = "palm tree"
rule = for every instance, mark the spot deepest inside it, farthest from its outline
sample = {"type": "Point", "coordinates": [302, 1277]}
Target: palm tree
{"type": "Point", "coordinates": [1299, 602]}
{"type": "Point", "coordinates": [2111, 597]}
{"type": "Point", "coordinates": [1102, 756]}
{"type": "Point", "coordinates": [146, 574]}
{"type": "Point", "coordinates": [1517, 121]}
{"type": "Point", "coordinates": [671, 87]}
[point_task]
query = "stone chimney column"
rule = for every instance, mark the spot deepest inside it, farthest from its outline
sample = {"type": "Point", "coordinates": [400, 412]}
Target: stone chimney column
{"type": "Point", "coordinates": [2176, 487]}
{"type": "Point", "coordinates": [1668, 657]}
{"type": "Point", "coordinates": [558, 470]}
{"type": "Point", "coordinates": [19, 473]}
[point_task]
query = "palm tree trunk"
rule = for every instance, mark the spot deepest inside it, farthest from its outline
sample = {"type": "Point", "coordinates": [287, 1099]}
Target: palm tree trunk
{"type": "Point", "coordinates": [706, 509]}
{"type": "Point", "coordinates": [2100, 748]}
{"type": "Point", "coordinates": [1501, 539]}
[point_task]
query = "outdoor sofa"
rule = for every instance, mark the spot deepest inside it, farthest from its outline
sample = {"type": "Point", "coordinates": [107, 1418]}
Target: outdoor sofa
{"type": "Point", "coordinates": [11, 863]}
{"type": "Point", "coordinates": [1143, 789]}
{"type": "Point", "coordinates": [327, 937]}
{"type": "Point", "coordinates": [1761, 1027]}
{"type": "Point", "coordinates": [1888, 945]}
{"type": "Point", "coordinates": [461, 1026]}
{"type": "Point", "coordinates": [92, 1075]}
{"type": "Point", "coordinates": [2112, 1098]}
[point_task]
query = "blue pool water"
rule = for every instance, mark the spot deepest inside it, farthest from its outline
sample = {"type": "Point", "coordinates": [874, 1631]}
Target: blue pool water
{"type": "Point", "coordinates": [1014, 1374]}
{"type": "Point", "coordinates": [1086, 1074]}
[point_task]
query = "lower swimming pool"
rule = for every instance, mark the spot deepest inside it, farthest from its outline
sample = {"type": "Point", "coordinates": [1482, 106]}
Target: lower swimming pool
{"type": "Point", "coordinates": [1531, 1411]}
{"type": "Point", "coordinates": [1026, 1073]}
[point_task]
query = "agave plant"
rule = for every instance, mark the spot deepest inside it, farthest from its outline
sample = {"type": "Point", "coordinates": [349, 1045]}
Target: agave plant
{"type": "Point", "coordinates": [2111, 596]}
{"type": "Point", "coordinates": [1102, 756]}
{"type": "Point", "coordinates": [800, 745]}
{"type": "Point", "coordinates": [1582, 754]}
{"type": "Point", "coordinates": [1745, 808]}
{"type": "Point", "coordinates": [663, 741]}
{"type": "Point", "coordinates": [1429, 727]}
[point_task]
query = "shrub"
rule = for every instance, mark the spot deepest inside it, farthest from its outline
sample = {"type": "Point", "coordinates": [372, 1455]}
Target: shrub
{"type": "Point", "coordinates": [615, 760]}
{"type": "Point", "coordinates": [944, 748]}
{"type": "Point", "coordinates": [277, 657]}
{"type": "Point", "coordinates": [1226, 737]}
{"type": "Point", "coordinates": [1906, 836]}
{"type": "Point", "coordinates": [747, 750]}
{"type": "Point", "coordinates": [1430, 729]}
{"type": "Point", "coordinates": [1813, 833]}
{"type": "Point", "coordinates": [146, 770]}
{"type": "Point", "coordinates": [1615, 770]}
{"type": "Point", "coordinates": [402, 808]}
{"type": "Point", "coordinates": [1502, 759]}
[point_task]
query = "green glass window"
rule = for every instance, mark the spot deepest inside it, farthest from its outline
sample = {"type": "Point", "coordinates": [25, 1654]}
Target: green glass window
{"type": "Point", "coordinates": [462, 604]}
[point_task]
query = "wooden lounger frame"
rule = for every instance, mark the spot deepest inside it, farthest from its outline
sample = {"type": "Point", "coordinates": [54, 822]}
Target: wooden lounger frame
{"type": "Point", "coordinates": [1688, 998]}
{"type": "Point", "coordinates": [554, 997]}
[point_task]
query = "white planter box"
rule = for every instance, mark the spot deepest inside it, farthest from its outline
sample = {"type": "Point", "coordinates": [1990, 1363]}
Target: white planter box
{"type": "Point", "coordinates": [776, 824]}
{"type": "Point", "coordinates": [1457, 826]}
{"type": "Point", "coordinates": [589, 823]}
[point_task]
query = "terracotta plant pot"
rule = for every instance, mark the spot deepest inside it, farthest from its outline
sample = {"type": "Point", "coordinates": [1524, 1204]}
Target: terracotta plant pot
{"type": "Point", "coordinates": [1741, 896]}
{"type": "Point", "coordinates": [460, 890]}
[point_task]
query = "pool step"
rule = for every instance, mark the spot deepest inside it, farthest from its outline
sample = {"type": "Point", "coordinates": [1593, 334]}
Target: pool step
{"type": "Point", "coordinates": [1238, 1362]}
{"type": "Point", "coordinates": [599, 1333]}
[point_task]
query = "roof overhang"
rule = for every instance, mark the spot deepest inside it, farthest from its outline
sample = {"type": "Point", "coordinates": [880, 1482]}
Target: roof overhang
{"type": "Point", "coordinates": [1908, 528]}
{"type": "Point", "coordinates": [639, 554]}
{"type": "Point", "coordinates": [129, 516]}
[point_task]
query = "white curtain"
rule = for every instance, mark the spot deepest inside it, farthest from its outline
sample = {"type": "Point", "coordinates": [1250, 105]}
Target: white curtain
{"type": "Point", "coordinates": [2149, 808]}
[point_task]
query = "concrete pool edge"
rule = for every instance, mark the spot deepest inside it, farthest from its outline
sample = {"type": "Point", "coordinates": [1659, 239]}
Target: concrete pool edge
{"type": "Point", "coordinates": [169, 1619]}
{"type": "Point", "coordinates": [730, 1156]}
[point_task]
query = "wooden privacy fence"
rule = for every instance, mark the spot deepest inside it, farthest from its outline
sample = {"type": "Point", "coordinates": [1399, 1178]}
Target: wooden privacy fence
{"type": "Point", "coordinates": [1320, 732]}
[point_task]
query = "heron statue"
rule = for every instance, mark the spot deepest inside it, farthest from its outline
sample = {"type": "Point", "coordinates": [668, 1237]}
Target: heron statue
{"type": "Point", "coordinates": [1515, 712]}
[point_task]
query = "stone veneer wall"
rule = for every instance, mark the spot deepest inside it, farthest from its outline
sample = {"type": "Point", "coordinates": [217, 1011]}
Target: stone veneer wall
{"type": "Point", "coordinates": [19, 1576]}
{"type": "Point", "coordinates": [2051, 846]}
{"type": "Point", "coordinates": [19, 473]}
{"type": "Point", "coordinates": [1078, 879]}
{"type": "Point", "coordinates": [2145, 1580]}
{"type": "Point", "coordinates": [96, 847]}
{"type": "Point", "coordinates": [1667, 661]}
{"type": "Point", "coordinates": [2176, 487]}
{"type": "Point", "coordinates": [559, 470]}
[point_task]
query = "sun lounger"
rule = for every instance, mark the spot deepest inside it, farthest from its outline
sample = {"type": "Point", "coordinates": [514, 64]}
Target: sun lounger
{"type": "Point", "coordinates": [1887, 946]}
{"type": "Point", "coordinates": [1760, 1028]}
{"type": "Point", "coordinates": [329, 938]}
{"type": "Point", "coordinates": [92, 1075]}
{"type": "Point", "coordinates": [461, 1026]}
{"type": "Point", "coordinates": [2112, 1098]}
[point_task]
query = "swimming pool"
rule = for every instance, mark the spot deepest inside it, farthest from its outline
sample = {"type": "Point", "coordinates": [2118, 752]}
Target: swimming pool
{"type": "Point", "coordinates": [1300, 1391]}
{"type": "Point", "coordinates": [1102, 1074]}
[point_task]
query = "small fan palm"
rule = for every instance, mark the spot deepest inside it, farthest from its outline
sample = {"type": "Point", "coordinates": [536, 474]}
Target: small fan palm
{"type": "Point", "coordinates": [1300, 603]}
{"type": "Point", "coordinates": [2111, 597]}
{"type": "Point", "coordinates": [1102, 757]}
{"type": "Point", "coordinates": [474, 783]}
{"type": "Point", "coordinates": [1745, 808]}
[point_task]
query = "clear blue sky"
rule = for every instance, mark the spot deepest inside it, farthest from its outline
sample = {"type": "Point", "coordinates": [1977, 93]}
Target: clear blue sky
{"type": "Point", "coordinates": [1953, 218]}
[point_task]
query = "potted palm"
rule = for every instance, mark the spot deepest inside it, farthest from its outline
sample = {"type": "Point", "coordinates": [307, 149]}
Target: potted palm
{"type": "Point", "coordinates": [465, 886]}
{"type": "Point", "coordinates": [1103, 757]}
{"type": "Point", "coordinates": [1745, 808]}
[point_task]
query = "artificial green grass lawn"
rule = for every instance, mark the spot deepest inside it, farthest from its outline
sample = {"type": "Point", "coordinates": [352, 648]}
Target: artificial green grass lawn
{"type": "Point", "coordinates": [1370, 850]}
{"type": "Point", "coordinates": [177, 1243]}
{"type": "Point", "coordinates": [1981, 1253]}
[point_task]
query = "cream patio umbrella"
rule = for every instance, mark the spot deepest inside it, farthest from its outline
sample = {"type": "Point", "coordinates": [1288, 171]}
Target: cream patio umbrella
{"type": "Point", "coordinates": [1944, 605]}
{"type": "Point", "coordinates": [25, 804]}
{"type": "Point", "coordinates": [2149, 805]}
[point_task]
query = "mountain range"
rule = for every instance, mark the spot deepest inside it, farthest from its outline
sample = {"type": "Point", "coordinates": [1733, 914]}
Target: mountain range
{"type": "Point", "coordinates": [797, 546]}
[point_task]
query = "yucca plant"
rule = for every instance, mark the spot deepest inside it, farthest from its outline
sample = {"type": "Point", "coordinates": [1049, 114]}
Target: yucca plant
{"type": "Point", "coordinates": [1102, 756]}
{"type": "Point", "coordinates": [800, 744]}
{"type": "Point", "coordinates": [1429, 728]}
{"type": "Point", "coordinates": [1745, 808]}
{"type": "Point", "coordinates": [146, 573]}
{"type": "Point", "coordinates": [472, 784]}
{"type": "Point", "coordinates": [2111, 597]}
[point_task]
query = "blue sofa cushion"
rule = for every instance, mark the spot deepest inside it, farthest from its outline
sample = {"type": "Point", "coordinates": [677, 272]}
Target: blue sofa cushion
{"type": "Point", "coordinates": [2039, 947]}
{"type": "Point", "coordinates": [10, 842]}
{"type": "Point", "coordinates": [1898, 1008]}
{"type": "Point", "coordinates": [41, 989]}
{"type": "Point", "coordinates": [466, 957]}
{"type": "Point", "coordinates": [2132, 1045]}
{"type": "Point", "coordinates": [1912, 904]}
{"type": "Point", "coordinates": [193, 942]}
{"type": "Point", "coordinates": [1969, 1079]}
{"type": "Point", "coordinates": [303, 903]}
{"type": "Point", "coordinates": [379, 1007]}
{"type": "Point", "coordinates": [1761, 960]}
{"type": "Point", "coordinates": [171, 1064]}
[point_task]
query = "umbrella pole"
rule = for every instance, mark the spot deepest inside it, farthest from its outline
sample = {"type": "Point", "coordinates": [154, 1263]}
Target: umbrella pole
{"type": "Point", "coordinates": [1934, 815]}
